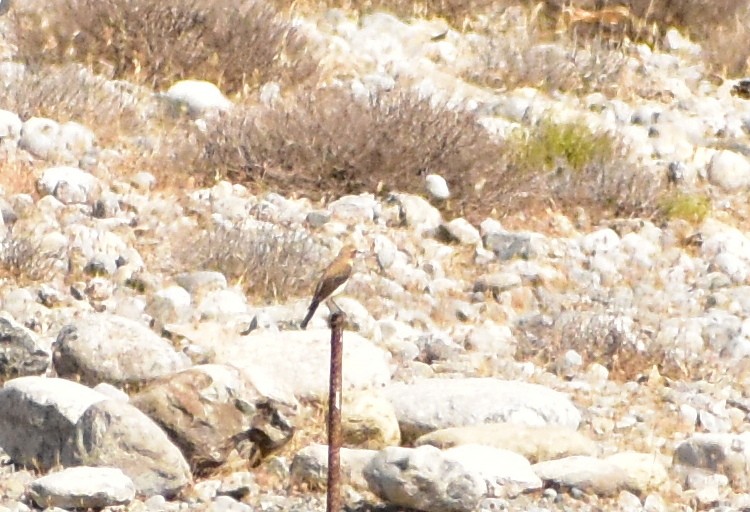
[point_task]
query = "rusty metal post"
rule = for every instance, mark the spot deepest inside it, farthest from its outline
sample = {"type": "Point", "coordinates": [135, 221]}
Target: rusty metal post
{"type": "Point", "coordinates": [333, 501]}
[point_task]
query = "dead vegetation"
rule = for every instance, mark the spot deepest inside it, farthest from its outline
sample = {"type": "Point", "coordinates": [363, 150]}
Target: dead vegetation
{"type": "Point", "coordinates": [236, 45]}
{"type": "Point", "coordinates": [272, 262]}
{"type": "Point", "coordinates": [72, 93]}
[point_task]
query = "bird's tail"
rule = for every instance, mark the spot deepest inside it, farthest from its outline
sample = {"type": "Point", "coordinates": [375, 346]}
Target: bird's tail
{"type": "Point", "coordinates": [310, 313]}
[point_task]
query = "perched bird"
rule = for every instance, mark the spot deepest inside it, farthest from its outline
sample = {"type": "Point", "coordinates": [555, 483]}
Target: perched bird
{"type": "Point", "coordinates": [333, 281]}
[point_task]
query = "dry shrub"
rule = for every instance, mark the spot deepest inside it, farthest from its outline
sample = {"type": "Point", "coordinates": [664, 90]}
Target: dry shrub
{"type": "Point", "coordinates": [719, 25]}
{"type": "Point", "coordinates": [565, 166]}
{"type": "Point", "coordinates": [455, 12]}
{"type": "Point", "coordinates": [22, 260]}
{"type": "Point", "coordinates": [328, 142]}
{"type": "Point", "coordinates": [273, 262]}
{"type": "Point", "coordinates": [72, 93]}
{"type": "Point", "coordinates": [599, 334]}
{"type": "Point", "coordinates": [232, 44]}
{"type": "Point", "coordinates": [520, 48]}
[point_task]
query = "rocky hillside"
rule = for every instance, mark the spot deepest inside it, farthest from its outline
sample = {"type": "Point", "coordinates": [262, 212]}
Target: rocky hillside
{"type": "Point", "coordinates": [550, 312]}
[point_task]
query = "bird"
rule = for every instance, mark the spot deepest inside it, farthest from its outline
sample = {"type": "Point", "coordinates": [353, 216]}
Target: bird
{"type": "Point", "coordinates": [333, 280]}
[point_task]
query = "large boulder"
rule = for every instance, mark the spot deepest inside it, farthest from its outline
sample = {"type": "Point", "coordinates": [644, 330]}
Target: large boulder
{"type": "Point", "coordinates": [45, 423]}
{"type": "Point", "coordinates": [431, 404]}
{"type": "Point", "coordinates": [424, 479]}
{"type": "Point", "coordinates": [291, 361]}
{"type": "Point", "coordinates": [108, 348]}
{"type": "Point", "coordinates": [209, 410]}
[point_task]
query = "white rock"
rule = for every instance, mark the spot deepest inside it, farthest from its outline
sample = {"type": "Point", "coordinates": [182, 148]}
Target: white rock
{"type": "Point", "coordinates": [588, 474]}
{"type": "Point", "coordinates": [107, 348]}
{"type": "Point", "coordinates": [424, 478]}
{"type": "Point", "coordinates": [644, 471]}
{"type": "Point", "coordinates": [68, 184]}
{"type": "Point", "coordinates": [430, 404]}
{"type": "Point", "coordinates": [41, 137]}
{"type": "Point", "coordinates": [10, 126]}
{"type": "Point", "coordinates": [416, 212]}
{"type": "Point", "coordinates": [729, 170]}
{"type": "Point", "coordinates": [76, 138]}
{"type": "Point", "coordinates": [295, 361]}
{"type": "Point", "coordinates": [83, 487]}
{"type": "Point", "coordinates": [199, 96]}
{"type": "Point", "coordinates": [437, 187]}
{"type": "Point", "coordinates": [505, 473]}
{"type": "Point", "coordinates": [460, 230]}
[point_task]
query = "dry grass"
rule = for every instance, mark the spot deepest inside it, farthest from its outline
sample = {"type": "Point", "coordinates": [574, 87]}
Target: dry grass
{"type": "Point", "coordinates": [520, 48]}
{"type": "Point", "coordinates": [272, 262]}
{"type": "Point", "coordinates": [23, 261]}
{"type": "Point", "coordinates": [71, 93]}
{"type": "Point", "coordinates": [599, 335]}
{"type": "Point", "coordinates": [456, 12]}
{"type": "Point", "coordinates": [236, 45]}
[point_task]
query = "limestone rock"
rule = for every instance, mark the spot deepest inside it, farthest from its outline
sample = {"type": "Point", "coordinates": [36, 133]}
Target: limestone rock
{"type": "Point", "coordinates": [424, 479]}
{"type": "Point", "coordinates": [536, 443]}
{"type": "Point", "coordinates": [431, 404]}
{"type": "Point", "coordinates": [109, 348]}
{"type": "Point", "coordinates": [83, 487]}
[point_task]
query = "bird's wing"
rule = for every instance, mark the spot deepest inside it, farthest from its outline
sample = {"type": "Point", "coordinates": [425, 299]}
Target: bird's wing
{"type": "Point", "coordinates": [327, 286]}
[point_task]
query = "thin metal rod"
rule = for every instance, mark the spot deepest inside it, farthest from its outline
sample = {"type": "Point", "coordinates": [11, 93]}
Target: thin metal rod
{"type": "Point", "coordinates": [333, 503]}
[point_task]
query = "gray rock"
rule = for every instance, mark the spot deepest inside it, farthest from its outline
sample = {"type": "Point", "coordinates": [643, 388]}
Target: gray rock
{"type": "Point", "coordinates": [68, 184]}
{"type": "Point", "coordinates": [431, 404]}
{"type": "Point", "coordinates": [423, 478]}
{"type": "Point", "coordinates": [728, 454]}
{"type": "Point", "coordinates": [210, 410]}
{"type": "Point", "coordinates": [437, 187]}
{"type": "Point", "coordinates": [49, 422]}
{"type": "Point", "coordinates": [369, 421]}
{"type": "Point", "coordinates": [505, 473]}
{"type": "Point", "coordinates": [83, 487]}
{"type": "Point", "coordinates": [108, 348]}
{"type": "Point", "coordinates": [20, 351]}
{"type": "Point", "coordinates": [310, 466]}
{"type": "Point", "coordinates": [116, 434]}
{"type": "Point", "coordinates": [202, 282]}
{"type": "Point", "coordinates": [38, 418]}
{"type": "Point", "coordinates": [507, 246]}
{"type": "Point", "coordinates": [534, 443]}
{"type": "Point", "coordinates": [461, 231]}
{"type": "Point", "coordinates": [199, 96]}
{"type": "Point", "coordinates": [354, 209]}
{"type": "Point", "coordinates": [416, 212]}
{"type": "Point", "coordinates": [169, 305]}
{"type": "Point", "coordinates": [587, 474]}
{"type": "Point", "coordinates": [41, 137]}
{"type": "Point", "coordinates": [729, 170]}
